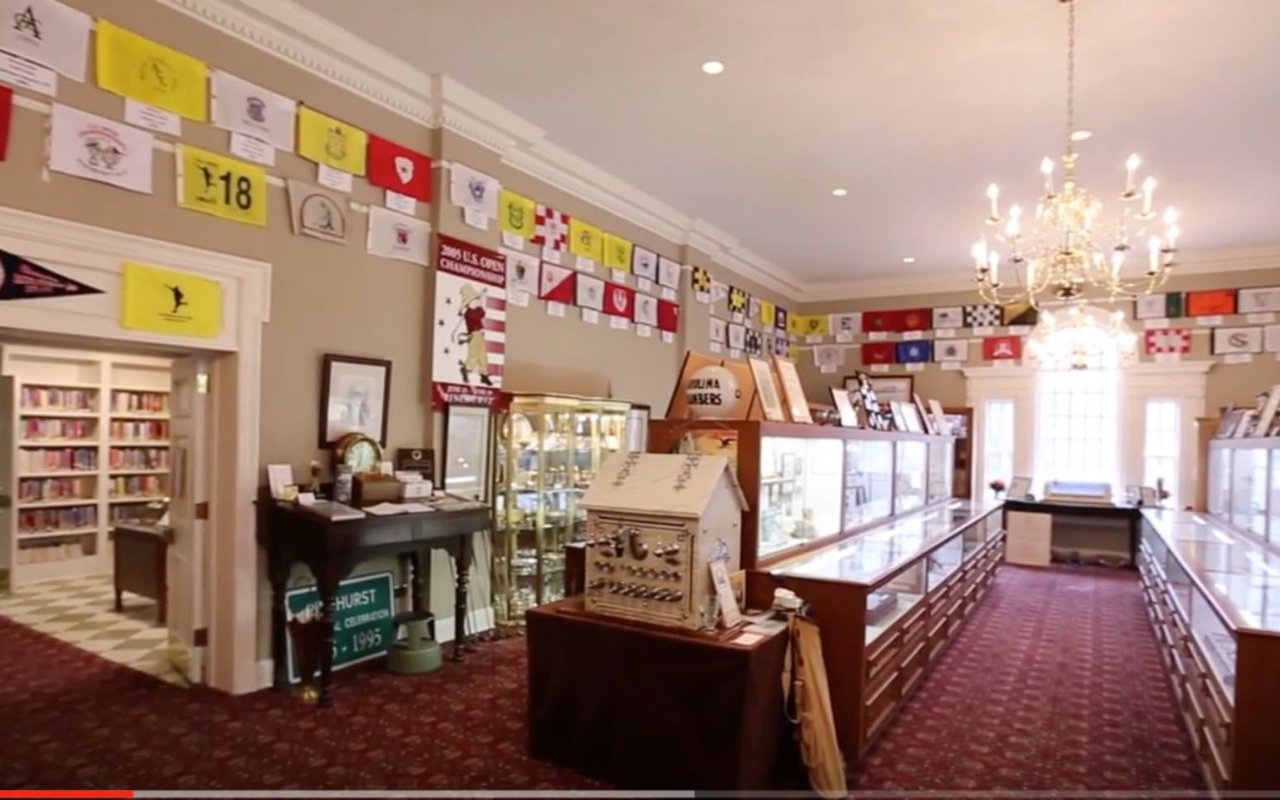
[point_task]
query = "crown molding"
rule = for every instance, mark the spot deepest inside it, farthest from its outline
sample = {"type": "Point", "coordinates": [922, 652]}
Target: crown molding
{"type": "Point", "coordinates": [1207, 262]}
{"type": "Point", "coordinates": [294, 33]}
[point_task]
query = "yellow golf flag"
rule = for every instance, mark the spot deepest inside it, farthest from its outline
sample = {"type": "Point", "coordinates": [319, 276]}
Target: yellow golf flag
{"type": "Point", "coordinates": [617, 252]}
{"type": "Point", "coordinates": [222, 186]}
{"type": "Point", "coordinates": [796, 324]}
{"type": "Point", "coordinates": [166, 301]}
{"type": "Point", "coordinates": [767, 313]}
{"type": "Point", "coordinates": [586, 240]}
{"type": "Point", "coordinates": [326, 140]}
{"type": "Point", "coordinates": [147, 71]}
{"type": "Point", "coordinates": [816, 325]}
{"type": "Point", "coordinates": [515, 213]}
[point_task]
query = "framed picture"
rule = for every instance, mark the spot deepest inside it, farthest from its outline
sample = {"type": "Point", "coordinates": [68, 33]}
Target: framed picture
{"type": "Point", "coordinates": [1226, 423]}
{"type": "Point", "coordinates": [894, 387]}
{"type": "Point", "coordinates": [844, 407]}
{"type": "Point", "coordinates": [767, 388]}
{"type": "Point", "coordinates": [940, 419]}
{"type": "Point", "coordinates": [1019, 488]}
{"type": "Point", "coordinates": [354, 393]}
{"type": "Point", "coordinates": [878, 417]}
{"type": "Point", "coordinates": [1267, 416]}
{"type": "Point", "coordinates": [1148, 496]}
{"type": "Point", "coordinates": [793, 390]}
{"type": "Point", "coordinates": [927, 424]}
{"type": "Point", "coordinates": [898, 410]}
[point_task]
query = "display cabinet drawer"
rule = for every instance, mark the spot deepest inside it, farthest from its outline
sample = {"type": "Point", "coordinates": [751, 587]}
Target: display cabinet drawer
{"type": "Point", "coordinates": [878, 709]}
{"type": "Point", "coordinates": [1218, 762]}
{"type": "Point", "coordinates": [887, 641]}
{"type": "Point", "coordinates": [915, 623]}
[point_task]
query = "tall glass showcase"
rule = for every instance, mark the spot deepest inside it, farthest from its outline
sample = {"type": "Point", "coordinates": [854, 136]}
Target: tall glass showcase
{"type": "Point", "coordinates": [1244, 485]}
{"type": "Point", "coordinates": [547, 451]}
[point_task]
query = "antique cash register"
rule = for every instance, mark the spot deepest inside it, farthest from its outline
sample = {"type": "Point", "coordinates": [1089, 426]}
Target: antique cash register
{"type": "Point", "coordinates": [655, 525]}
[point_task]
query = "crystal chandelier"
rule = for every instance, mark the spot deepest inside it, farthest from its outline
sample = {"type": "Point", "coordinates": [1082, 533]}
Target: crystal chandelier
{"type": "Point", "coordinates": [1068, 251]}
{"type": "Point", "coordinates": [1082, 336]}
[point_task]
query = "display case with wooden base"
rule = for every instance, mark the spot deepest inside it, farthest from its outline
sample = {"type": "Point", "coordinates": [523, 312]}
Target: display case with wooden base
{"type": "Point", "coordinates": [888, 601]}
{"type": "Point", "coordinates": [1213, 597]}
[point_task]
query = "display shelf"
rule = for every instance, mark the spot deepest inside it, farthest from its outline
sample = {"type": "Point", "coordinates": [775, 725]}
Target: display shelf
{"type": "Point", "coordinates": [888, 599]}
{"type": "Point", "coordinates": [138, 471]}
{"type": "Point", "coordinates": [56, 391]}
{"type": "Point", "coordinates": [1243, 485]}
{"type": "Point", "coordinates": [808, 485]}
{"type": "Point", "coordinates": [1212, 593]}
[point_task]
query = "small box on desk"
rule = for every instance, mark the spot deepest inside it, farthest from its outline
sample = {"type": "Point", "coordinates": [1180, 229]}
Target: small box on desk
{"type": "Point", "coordinates": [373, 488]}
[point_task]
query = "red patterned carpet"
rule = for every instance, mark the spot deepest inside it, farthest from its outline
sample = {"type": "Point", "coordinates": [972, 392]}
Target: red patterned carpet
{"type": "Point", "coordinates": [1055, 684]}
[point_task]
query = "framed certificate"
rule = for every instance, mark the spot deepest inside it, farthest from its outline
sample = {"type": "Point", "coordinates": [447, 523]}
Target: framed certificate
{"type": "Point", "coordinates": [792, 390]}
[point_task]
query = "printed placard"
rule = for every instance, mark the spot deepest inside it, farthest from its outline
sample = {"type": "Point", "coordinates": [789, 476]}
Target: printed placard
{"type": "Point", "coordinates": [251, 149]}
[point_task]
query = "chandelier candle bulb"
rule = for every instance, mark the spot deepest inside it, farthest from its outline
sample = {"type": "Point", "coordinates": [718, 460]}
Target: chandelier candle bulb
{"type": "Point", "coordinates": [1013, 228]}
{"type": "Point", "coordinates": [993, 262]}
{"type": "Point", "coordinates": [993, 194]}
{"type": "Point", "coordinates": [1046, 167]}
{"type": "Point", "coordinates": [1130, 167]}
{"type": "Point", "coordinates": [1153, 250]}
{"type": "Point", "coordinates": [1148, 187]}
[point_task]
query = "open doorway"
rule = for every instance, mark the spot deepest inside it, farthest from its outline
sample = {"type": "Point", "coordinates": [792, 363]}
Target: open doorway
{"type": "Point", "coordinates": [104, 498]}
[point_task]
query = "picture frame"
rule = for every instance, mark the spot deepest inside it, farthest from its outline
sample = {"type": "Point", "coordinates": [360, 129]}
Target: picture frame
{"type": "Point", "coordinates": [1019, 488]}
{"type": "Point", "coordinates": [844, 407]}
{"type": "Point", "coordinates": [878, 417]}
{"type": "Point", "coordinates": [898, 411]}
{"type": "Point", "coordinates": [1226, 423]}
{"type": "Point", "coordinates": [894, 387]}
{"type": "Point", "coordinates": [927, 424]}
{"type": "Point", "coordinates": [355, 394]}
{"type": "Point", "coordinates": [767, 389]}
{"type": "Point", "coordinates": [792, 390]}
{"type": "Point", "coordinates": [1267, 416]}
{"type": "Point", "coordinates": [1148, 496]}
{"type": "Point", "coordinates": [940, 419]}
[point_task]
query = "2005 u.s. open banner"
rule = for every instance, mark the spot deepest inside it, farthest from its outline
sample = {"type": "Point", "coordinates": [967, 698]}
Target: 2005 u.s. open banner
{"type": "Point", "coordinates": [470, 332]}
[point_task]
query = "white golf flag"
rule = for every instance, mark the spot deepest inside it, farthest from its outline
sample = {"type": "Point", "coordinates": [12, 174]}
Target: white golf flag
{"type": "Point", "coordinates": [249, 109]}
{"type": "Point", "coordinates": [46, 32]}
{"type": "Point", "coordinates": [100, 149]}
{"type": "Point", "coordinates": [397, 236]}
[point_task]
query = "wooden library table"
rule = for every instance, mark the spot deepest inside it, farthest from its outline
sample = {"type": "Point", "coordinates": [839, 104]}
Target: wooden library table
{"type": "Point", "coordinates": [644, 707]}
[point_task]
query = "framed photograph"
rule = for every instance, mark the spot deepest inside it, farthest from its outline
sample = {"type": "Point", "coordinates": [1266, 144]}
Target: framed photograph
{"type": "Point", "coordinates": [927, 424]}
{"type": "Point", "coordinates": [1019, 488]}
{"type": "Point", "coordinates": [1226, 424]}
{"type": "Point", "coordinates": [354, 393]}
{"type": "Point", "coordinates": [793, 390]}
{"type": "Point", "coordinates": [844, 407]}
{"type": "Point", "coordinates": [877, 416]}
{"type": "Point", "coordinates": [1244, 423]}
{"type": "Point", "coordinates": [940, 419]}
{"type": "Point", "coordinates": [767, 388]}
{"type": "Point", "coordinates": [1267, 416]}
{"type": "Point", "coordinates": [897, 410]}
{"type": "Point", "coordinates": [1148, 496]}
{"type": "Point", "coordinates": [894, 387]}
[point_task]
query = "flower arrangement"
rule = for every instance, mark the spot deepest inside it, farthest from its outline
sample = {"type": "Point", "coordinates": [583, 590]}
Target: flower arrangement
{"type": "Point", "coordinates": [997, 486]}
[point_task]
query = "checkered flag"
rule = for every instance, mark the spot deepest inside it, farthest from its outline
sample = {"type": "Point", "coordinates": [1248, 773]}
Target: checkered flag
{"type": "Point", "coordinates": [737, 299]}
{"type": "Point", "coordinates": [550, 228]}
{"type": "Point", "coordinates": [986, 316]}
{"type": "Point", "coordinates": [701, 280]}
{"type": "Point", "coordinates": [754, 342]}
{"type": "Point", "coordinates": [1167, 340]}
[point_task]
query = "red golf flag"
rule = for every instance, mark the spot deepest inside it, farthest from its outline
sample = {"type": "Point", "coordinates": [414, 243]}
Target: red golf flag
{"type": "Point", "coordinates": [668, 316]}
{"type": "Point", "coordinates": [6, 109]}
{"type": "Point", "coordinates": [875, 321]}
{"type": "Point", "coordinates": [619, 301]}
{"type": "Point", "coordinates": [877, 353]}
{"type": "Point", "coordinates": [995, 348]}
{"type": "Point", "coordinates": [399, 169]}
{"type": "Point", "coordinates": [917, 319]}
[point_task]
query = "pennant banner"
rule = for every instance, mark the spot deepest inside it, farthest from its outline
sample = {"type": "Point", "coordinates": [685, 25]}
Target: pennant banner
{"type": "Point", "coordinates": [99, 149]}
{"type": "Point", "coordinates": [767, 312]}
{"type": "Point", "coordinates": [717, 332]}
{"type": "Point", "coordinates": [916, 319]}
{"type": "Point", "coordinates": [753, 342]}
{"type": "Point", "coordinates": [317, 212]}
{"type": "Point", "coordinates": [828, 358]}
{"type": "Point", "coordinates": [816, 325]}
{"type": "Point", "coordinates": [399, 169]}
{"type": "Point", "coordinates": [737, 336]}
{"type": "Point", "coordinates": [171, 302]}
{"type": "Point", "coordinates": [405, 238]}
{"type": "Point", "coordinates": [325, 140]}
{"type": "Point", "coordinates": [239, 105]}
{"type": "Point", "coordinates": [737, 300]}
{"type": "Point", "coordinates": [586, 240]}
{"type": "Point", "coordinates": [516, 214]}
{"type": "Point", "coordinates": [846, 325]}
{"type": "Point", "coordinates": [23, 280]}
{"type": "Point", "coordinates": [882, 321]}
{"type": "Point", "coordinates": [469, 345]}
{"type": "Point", "coordinates": [1021, 314]}
{"type": "Point", "coordinates": [136, 67]}
{"type": "Point", "coordinates": [780, 318]}
{"type": "Point", "coordinates": [221, 186]}
{"type": "Point", "coordinates": [46, 32]}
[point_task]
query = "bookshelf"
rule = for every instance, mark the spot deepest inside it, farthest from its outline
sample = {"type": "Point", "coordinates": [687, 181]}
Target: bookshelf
{"type": "Point", "coordinates": [84, 444]}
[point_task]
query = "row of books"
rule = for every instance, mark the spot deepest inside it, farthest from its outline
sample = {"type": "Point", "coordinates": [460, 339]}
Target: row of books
{"type": "Point", "coordinates": [128, 512]}
{"type": "Point", "coordinates": [49, 520]}
{"type": "Point", "coordinates": [135, 402]}
{"type": "Point", "coordinates": [37, 490]}
{"type": "Point", "coordinates": [139, 458]}
{"type": "Point", "coordinates": [57, 428]}
{"type": "Point", "coordinates": [40, 398]}
{"type": "Point", "coordinates": [137, 486]}
{"type": "Point", "coordinates": [57, 551]}
{"type": "Point", "coordinates": [139, 430]}
{"type": "Point", "coordinates": [59, 459]}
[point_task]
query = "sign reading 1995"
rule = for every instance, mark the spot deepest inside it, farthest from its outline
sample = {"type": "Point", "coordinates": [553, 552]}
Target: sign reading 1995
{"type": "Point", "coordinates": [362, 612]}
{"type": "Point", "coordinates": [221, 186]}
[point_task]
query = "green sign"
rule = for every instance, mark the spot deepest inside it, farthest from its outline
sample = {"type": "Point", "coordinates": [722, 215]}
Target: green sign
{"type": "Point", "coordinates": [362, 612]}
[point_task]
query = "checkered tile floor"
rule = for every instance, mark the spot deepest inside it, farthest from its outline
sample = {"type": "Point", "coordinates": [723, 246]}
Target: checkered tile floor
{"type": "Point", "coordinates": [80, 611]}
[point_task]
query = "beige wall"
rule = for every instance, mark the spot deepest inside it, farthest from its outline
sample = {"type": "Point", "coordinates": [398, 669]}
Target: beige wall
{"type": "Point", "coordinates": [1227, 383]}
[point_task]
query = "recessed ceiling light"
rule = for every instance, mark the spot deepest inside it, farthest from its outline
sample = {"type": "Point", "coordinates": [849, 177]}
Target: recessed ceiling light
{"type": "Point", "coordinates": [839, 192]}
{"type": "Point", "coordinates": [909, 259]}
{"type": "Point", "coordinates": [1081, 135]}
{"type": "Point", "coordinates": [712, 67]}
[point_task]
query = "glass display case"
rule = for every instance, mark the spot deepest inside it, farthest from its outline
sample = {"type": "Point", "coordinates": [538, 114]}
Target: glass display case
{"type": "Point", "coordinates": [547, 451]}
{"type": "Point", "coordinates": [1243, 485]}
{"type": "Point", "coordinates": [807, 483]}
{"type": "Point", "coordinates": [888, 599]}
{"type": "Point", "coordinates": [1213, 596]}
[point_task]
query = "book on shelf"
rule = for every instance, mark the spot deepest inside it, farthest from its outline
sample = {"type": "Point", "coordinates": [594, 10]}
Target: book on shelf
{"type": "Point", "coordinates": [58, 459]}
{"type": "Point", "coordinates": [135, 402]}
{"type": "Point", "coordinates": [46, 428]}
{"type": "Point", "coordinates": [46, 398]}
{"type": "Point", "coordinates": [139, 430]}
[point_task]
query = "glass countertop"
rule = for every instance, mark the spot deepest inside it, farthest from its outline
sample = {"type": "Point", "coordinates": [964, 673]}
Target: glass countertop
{"type": "Point", "coordinates": [1242, 575]}
{"type": "Point", "coordinates": [867, 556]}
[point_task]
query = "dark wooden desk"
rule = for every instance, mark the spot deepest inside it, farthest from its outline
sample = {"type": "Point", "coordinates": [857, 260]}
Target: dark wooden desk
{"type": "Point", "coordinates": [1131, 515]}
{"type": "Point", "coordinates": [333, 549]}
{"type": "Point", "coordinates": [645, 708]}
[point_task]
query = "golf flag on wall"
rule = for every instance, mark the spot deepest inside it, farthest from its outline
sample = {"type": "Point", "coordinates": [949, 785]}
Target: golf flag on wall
{"type": "Point", "coordinates": [1159, 306]}
{"type": "Point", "coordinates": [996, 348]}
{"type": "Point", "coordinates": [882, 321]}
{"type": "Point", "coordinates": [326, 140]}
{"type": "Point", "coordinates": [136, 67]}
{"type": "Point", "coordinates": [668, 316]}
{"type": "Point", "coordinates": [877, 353]}
{"type": "Point", "coordinates": [23, 280]}
{"type": "Point", "coordinates": [916, 352]}
{"type": "Point", "coordinates": [168, 301]}
{"type": "Point", "coordinates": [46, 32]}
{"type": "Point", "coordinates": [400, 169]}
{"type": "Point", "coordinates": [1167, 340]}
{"type": "Point", "coordinates": [586, 240]}
{"type": "Point", "coordinates": [516, 213]}
{"type": "Point", "coordinates": [617, 252]}
{"type": "Point", "coordinates": [1212, 303]}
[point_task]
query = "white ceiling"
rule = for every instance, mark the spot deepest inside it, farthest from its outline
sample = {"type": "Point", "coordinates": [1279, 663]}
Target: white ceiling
{"type": "Point", "coordinates": [913, 105]}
